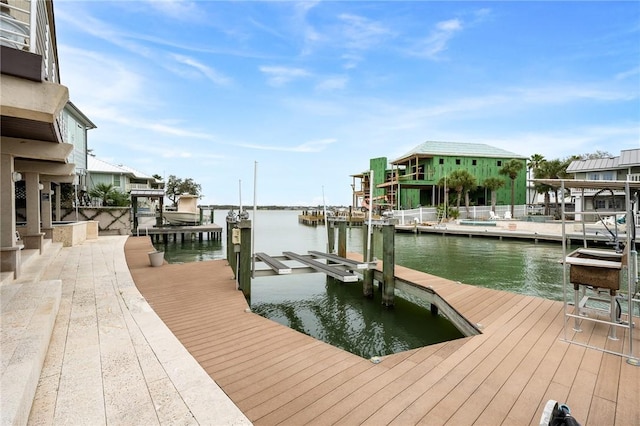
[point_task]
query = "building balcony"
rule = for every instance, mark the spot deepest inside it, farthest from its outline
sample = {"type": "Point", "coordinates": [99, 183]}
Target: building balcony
{"type": "Point", "coordinates": [32, 98]}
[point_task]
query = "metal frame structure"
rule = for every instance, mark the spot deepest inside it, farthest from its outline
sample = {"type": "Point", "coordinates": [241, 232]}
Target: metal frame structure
{"type": "Point", "coordinates": [607, 261]}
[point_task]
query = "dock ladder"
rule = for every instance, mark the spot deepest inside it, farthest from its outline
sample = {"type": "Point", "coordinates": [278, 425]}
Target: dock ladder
{"type": "Point", "coordinates": [439, 219]}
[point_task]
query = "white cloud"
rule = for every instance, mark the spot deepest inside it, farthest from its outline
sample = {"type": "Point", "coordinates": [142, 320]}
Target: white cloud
{"type": "Point", "coordinates": [333, 83]}
{"type": "Point", "coordinates": [209, 72]}
{"type": "Point", "coordinates": [629, 73]}
{"type": "Point", "coordinates": [362, 33]}
{"type": "Point", "coordinates": [184, 10]}
{"type": "Point", "coordinates": [561, 93]}
{"type": "Point", "coordinates": [311, 146]}
{"type": "Point", "coordinates": [438, 39]}
{"type": "Point", "coordinates": [279, 76]}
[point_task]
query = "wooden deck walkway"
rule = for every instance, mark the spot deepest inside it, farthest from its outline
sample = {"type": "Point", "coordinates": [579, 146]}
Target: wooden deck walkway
{"type": "Point", "coordinates": [504, 376]}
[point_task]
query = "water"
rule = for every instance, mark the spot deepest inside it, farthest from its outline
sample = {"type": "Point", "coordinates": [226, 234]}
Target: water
{"type": "Point", "coordinates": [338, 314]}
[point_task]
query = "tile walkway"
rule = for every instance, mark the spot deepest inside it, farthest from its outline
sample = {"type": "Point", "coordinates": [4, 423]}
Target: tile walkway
{"type": "Point", "coordinates": [111, 360]}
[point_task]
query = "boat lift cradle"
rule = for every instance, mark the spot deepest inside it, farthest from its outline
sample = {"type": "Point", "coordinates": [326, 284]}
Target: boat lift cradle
{"type": "Point", "coordinates": [336, 266]}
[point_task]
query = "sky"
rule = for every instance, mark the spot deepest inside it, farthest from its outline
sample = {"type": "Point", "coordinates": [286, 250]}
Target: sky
{"type": "Point", "coordinates": [298, 96]}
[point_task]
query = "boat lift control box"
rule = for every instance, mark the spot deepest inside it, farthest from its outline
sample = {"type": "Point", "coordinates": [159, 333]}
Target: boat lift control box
{"type": "Point", "coordinates": [235, 239]}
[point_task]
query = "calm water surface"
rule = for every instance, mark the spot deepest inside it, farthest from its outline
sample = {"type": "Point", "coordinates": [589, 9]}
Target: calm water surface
{"type": "Point", "coordinates": [337, 313]}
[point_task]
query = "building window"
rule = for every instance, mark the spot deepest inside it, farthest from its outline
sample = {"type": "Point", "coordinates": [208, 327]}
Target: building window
{"type": "Point", "coordinates": [499, 163]}
{"type": "Point", "coordinates": [594, 176]}
{"type": "Point", "coordinates": [116, 180]}
{"type": "Point", "coordinates": [607, 176]}
{"type": "Point", "coordinates": [457, 161]}
{"type": "Point", "coordinates": [441, 161]}
{"type": "Point", "coordinates": [600, 204]}
{"type": "Point", "coordinates": [474, 162]}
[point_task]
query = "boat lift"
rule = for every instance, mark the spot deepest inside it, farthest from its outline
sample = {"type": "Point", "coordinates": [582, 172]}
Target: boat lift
{"type": "Point", "coordinates": [597, 275]}
{"type": "Point", "coordinates": [332, 265]}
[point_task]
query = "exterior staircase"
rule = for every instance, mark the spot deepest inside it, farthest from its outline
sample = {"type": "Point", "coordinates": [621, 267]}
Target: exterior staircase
{"type": "Point", "coordinates": [28, 310]}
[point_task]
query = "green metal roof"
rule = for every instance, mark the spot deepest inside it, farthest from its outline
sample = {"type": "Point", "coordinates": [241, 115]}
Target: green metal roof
{"type": "Point", "coordinates": [461, 149]}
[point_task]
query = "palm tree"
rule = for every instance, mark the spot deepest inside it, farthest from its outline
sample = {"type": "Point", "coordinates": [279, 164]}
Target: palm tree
{"type": "Point", "coordinates": [554, 169]}
{"type": "Point", "coordinates": [493, 184]}
{"type": "Point", "coordinates": [462, 182]}
{"type": "Point", "coordinates": [103, 191]}
{"type": "Point", "coordinates": [535, 161]}
{"type": "Point", "coordinates": [511, 169]}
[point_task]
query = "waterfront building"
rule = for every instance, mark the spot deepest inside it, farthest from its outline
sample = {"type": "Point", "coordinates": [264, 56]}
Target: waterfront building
{"type": "Point", "coordinates": [123, 178]}
{"type": "Point", "coordinates": [40, 140]}
{"type": "Point", "coordinates": [625, 166]}
{"type": "Point", "coordinates": [418, 178]}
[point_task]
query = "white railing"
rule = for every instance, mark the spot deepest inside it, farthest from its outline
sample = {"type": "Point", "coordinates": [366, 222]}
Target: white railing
{"type": "Point", "coordinates": [633, 177]}
{"type": "Point", "coordinates": [131, 186]}
{"type": "Point", "coordinates": [430, 214]}
{"type": "Point", "coordinates": [25, 25]}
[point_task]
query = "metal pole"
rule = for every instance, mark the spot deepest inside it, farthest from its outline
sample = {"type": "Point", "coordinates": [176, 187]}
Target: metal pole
{"type": "Point", "coordinates": [370, 230]}
{"type": "Point", "coordinates": [253, 233]}
{"type": "Point", "coordinates": [326, 222]}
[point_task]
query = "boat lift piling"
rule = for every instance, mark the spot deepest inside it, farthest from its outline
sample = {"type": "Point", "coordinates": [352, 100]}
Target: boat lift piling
{"type": "Point", "coordinates": [240, 258]}
{"type": "Point", "coordinates": [367, 276]}
{"type": "Point", "coordinates": [239, 250]}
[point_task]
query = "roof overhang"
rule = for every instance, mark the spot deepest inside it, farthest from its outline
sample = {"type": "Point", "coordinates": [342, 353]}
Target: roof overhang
{"type": "Point", "coordinates": [44, 167]}
{"type": "Point", "coordinates": [58, 178]}
{"type": "Point", "coordinates": [30, 109]}
{"type": "Point", "coordinates": [588, 184]}
{"type": "Point", "coordinates": [410, 157]}
{"type": "Point", "coordinates": [32, 100]}
{"type": "Point", "coordinates": [36, 150]}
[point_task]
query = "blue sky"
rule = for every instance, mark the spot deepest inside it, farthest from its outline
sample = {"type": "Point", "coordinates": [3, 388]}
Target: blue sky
{"type": "Point", "coordinates": [312, 90]}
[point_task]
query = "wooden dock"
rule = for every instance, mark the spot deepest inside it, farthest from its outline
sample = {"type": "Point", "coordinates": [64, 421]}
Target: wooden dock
{"type": "Point", "coordinates": [505, 375]}
{"type": "Point", "coordinates": [500, 233]}
{"type": "Point", "coordinates": [181, 233]}
{"type": "Point", "coordinates": [317, 218]}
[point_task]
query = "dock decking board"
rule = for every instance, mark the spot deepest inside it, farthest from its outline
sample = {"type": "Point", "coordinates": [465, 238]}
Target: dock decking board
{"type": "Point", "coordinates": [505, 375]}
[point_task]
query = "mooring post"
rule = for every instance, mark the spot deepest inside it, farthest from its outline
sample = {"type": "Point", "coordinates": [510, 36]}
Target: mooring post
{"type": "Point", "coordinates": [244, 274]}
{"type": "Point", "coordinates": [331, 237]}
{"type": "Point", "coordinates": [367, 275]}
{"type": "Point", "coordinates": [231, 256]}
{"type": "Point", "coordinates": [342, 238]}
{"type": "Point", "coordinates": [388, 264]}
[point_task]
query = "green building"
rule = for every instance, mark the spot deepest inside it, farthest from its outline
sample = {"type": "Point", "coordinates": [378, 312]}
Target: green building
{"type": "Point", "coordinates": [418, 177]}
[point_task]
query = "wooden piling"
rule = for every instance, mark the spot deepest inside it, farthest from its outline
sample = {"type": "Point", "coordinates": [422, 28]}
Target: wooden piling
{"type": "Point", "coordinates": [231, 255]}
{"type": "Point", "coordinates": [342, 239]}
{"type": "Point", "coordinates": [331, 237]}
{"type": "Point", "coordinates": [367, 274]}
{"type": "Point", "coordinates": [388, 263]}
{"type": "Point", "coordinates": [244, 275]}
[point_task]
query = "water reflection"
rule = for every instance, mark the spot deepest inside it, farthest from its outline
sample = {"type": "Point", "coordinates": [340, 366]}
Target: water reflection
{"type": "Point", "coordinates": [337, 313]}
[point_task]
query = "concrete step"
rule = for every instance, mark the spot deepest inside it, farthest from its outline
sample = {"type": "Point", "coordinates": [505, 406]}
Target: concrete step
{"type": "Point", "coordinates": [28, 311]}
{"type": "Point", "coordinates": [25, 333]}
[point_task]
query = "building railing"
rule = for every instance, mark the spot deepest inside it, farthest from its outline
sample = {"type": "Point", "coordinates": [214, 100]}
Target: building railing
{"type": "Point", "coordinates": [131, 186]}
{"type": "Point", "coordinates": [28, 25]}
{"type": "Point", "coordinates": [430, 214]}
